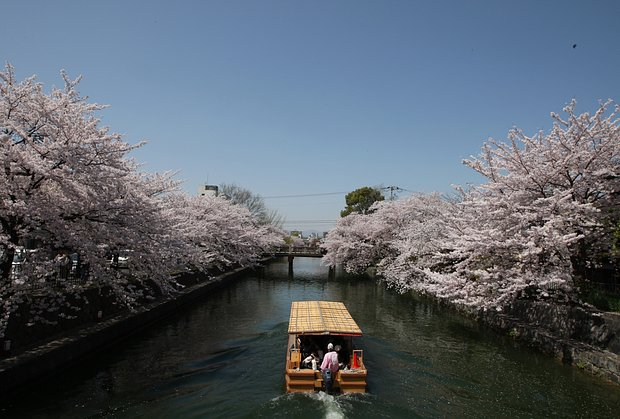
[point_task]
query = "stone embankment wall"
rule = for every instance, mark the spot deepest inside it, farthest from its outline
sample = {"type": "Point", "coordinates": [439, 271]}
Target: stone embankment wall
{"type": "Point", "coordinates": [588, 339]}
{"type": "Point", "coordinates": [17, 369]}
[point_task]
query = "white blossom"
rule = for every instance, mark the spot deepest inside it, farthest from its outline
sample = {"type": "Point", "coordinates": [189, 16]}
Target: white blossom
{"type": "Point", "coordinates": [70, 185]}
{"type": "Point", "coordinates": [546, 208]}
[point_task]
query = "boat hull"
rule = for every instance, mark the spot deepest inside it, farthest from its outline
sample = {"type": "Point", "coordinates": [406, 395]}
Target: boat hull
{"type": "Point", "coordinates": [307, 380]}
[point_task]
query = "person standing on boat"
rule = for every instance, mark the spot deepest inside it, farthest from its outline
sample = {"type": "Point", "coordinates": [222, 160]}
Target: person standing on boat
{"type": "Point", "coordinates": [329, 367]}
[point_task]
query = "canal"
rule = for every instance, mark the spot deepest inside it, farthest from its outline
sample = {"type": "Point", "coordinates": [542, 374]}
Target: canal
{"type": "Point", "coordinates": [224, 358]}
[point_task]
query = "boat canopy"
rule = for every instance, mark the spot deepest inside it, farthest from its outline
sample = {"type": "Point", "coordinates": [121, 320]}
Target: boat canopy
{"type": "Point", "coordinates": [321, 318]}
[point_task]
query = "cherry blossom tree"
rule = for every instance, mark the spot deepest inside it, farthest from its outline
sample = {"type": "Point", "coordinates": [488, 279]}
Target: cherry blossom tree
{"type": "Point", "coordinates": [69, 185]}
{"type": "Point", "coordinates": [550, 203]}
{"type": "Point", "coordinates": [351, 243]}
{"type": "Point", "coordinates": [386, 232]}
{"type": "Point", "coordinates": [212, 232]}
{"type": "Point", "coordinates": [548, 199]}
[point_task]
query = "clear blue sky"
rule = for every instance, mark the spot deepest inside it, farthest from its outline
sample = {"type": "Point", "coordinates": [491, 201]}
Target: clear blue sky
{"type": "Point", "coordinates": [314, 97]}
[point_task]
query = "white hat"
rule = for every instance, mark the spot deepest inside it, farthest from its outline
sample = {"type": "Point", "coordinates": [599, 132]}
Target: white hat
{"type": "Point", "coordinates": [330, 346]}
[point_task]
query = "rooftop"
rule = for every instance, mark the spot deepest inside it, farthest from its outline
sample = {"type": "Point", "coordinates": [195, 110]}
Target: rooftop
{"type": "Point", "coordinates": [321, 318]}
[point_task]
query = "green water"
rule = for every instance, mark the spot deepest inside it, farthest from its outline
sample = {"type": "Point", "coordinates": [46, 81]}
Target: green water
{"type": "Point", "coordinates": [224, 357]}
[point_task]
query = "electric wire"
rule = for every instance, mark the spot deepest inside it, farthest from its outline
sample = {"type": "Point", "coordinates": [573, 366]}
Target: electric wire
{"type": "Point", "coordinates": [303, 195]}
{"type": "Point", "coordinates": [392, 189]}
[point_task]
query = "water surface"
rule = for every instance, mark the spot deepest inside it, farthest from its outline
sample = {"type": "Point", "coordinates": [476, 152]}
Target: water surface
{"type": "Point", "coordinates": [223, 357]}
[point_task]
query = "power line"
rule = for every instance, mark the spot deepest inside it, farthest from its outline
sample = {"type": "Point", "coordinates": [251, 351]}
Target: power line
{"type": "Point", "coordinates": [392, 189]}
{"type": "Point", "coordinates": [303, 195]}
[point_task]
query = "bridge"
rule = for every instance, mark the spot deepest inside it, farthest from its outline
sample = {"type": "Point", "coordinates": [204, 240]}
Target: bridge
{"type": "Point", "coordinates": [301, 251]}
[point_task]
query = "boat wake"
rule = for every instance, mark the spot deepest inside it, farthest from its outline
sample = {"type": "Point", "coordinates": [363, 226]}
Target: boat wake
{"type": "Point", "coordinates": [306, 405]}
{"type": "Point", "coordinates": [333, 409]}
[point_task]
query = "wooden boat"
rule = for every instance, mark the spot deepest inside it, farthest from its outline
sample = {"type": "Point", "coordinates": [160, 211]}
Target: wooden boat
{"type": "Point", "coordinates": [312, 326]}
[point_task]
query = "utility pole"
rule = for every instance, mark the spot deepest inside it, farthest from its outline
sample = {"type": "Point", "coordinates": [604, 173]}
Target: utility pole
{"type": "Point", "coordinates": [392, 189]}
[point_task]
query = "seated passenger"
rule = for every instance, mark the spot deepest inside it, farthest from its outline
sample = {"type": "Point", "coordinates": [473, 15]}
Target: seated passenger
{"type": "Point", "coordinates": [310, 361]}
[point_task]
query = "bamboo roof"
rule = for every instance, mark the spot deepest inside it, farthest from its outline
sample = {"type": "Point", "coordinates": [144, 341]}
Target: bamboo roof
{"type": "Point", "coordinates": [321, 318]}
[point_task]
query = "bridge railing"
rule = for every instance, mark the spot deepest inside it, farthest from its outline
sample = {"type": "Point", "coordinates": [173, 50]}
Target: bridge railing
{"type": "Point", "coordinates": [298, 250]}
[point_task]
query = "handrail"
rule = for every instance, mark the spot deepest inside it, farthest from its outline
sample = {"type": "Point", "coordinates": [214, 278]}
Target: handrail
{"type": "Point", "coordinates": [292, 250]}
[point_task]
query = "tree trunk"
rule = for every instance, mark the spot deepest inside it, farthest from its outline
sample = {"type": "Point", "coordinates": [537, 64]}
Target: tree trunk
{"type": "Point", "coordinates": [6, 264]}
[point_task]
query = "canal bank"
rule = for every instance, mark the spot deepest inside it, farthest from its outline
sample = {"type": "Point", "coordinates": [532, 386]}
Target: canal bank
{"type": "Point", "coordinates": [577, 335]}
{"type": "Point", "coordinates": [223, 357]}
{"type": "Point", "coordinates": [585, 338]}
{"type": "Point", "coordinates": [46, 359]}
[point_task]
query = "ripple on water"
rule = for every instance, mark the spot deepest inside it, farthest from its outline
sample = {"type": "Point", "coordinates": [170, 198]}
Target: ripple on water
{"type": "Point", "coordinates": [222, 358]}
{"type": "Point", "coordinates": [326, 406]}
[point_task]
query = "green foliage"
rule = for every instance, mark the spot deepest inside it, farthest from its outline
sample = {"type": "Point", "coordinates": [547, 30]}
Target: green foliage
{"type": "Point", "coordinates": [360, 200]}
{"type": "Point", "coordinates": [602, 300]}
{"type": "Point", "coordinates": [616, 240]}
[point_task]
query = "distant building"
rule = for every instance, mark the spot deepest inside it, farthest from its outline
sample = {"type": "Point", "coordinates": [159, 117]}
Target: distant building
{"type": "Point", "coordinates": [208, 190]}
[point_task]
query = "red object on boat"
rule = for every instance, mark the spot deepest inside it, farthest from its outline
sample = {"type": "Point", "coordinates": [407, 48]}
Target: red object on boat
{"type": "Point", "coordinates": [355, 363]}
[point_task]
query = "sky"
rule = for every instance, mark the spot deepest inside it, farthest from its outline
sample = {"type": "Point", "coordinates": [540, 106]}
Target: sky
{"type": "Point", "coordinates": [304, 101]}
